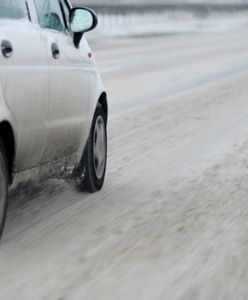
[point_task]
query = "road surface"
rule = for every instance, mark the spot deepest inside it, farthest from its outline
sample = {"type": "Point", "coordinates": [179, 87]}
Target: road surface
{"type": "Point", "coordinates": [172, 220]}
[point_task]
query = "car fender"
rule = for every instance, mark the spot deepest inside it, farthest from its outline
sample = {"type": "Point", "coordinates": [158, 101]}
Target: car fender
{"type": "Point", "coordinates": [5, 114]}
{"type": "Point", "coordinates": [96, 85]}
{"type": "Point", "coordinates": [96, 90]}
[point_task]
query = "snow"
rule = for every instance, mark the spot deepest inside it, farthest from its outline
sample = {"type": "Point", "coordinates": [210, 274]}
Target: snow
{"type": "Point", "coordinates": [128, 21]}
{"type": "Point", "coordinates": [164, 23]}
{"type": "Point", "coordinates": [171, 221]}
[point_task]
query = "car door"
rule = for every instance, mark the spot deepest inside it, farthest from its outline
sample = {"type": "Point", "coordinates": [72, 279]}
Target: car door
{"type": "Point", "coordinates": [70, 82]}
{"type": "Point", "coordinates": [25, 80]}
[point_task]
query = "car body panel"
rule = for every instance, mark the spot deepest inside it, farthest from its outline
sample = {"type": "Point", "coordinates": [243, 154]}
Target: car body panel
{"type": "Point", "coordinates": [51, 131]}
{"type": "Point", "coordinates": [5, 113]}
{"type": "Point", "coordinates": [70, 85]}
{"type": "Point", "coordinates": [25, 83]}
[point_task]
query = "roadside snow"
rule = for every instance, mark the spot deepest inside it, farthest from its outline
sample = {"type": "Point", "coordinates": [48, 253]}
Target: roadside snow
{"type": "Point", "coordinates": [167, 23]}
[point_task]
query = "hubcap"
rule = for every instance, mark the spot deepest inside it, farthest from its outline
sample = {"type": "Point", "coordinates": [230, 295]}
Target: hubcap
{"type": "Point", "coordinates": [99, 147]}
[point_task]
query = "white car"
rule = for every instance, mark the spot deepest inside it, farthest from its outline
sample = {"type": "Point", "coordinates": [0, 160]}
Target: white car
{"type": "Point", "coordinates": [53, 106]}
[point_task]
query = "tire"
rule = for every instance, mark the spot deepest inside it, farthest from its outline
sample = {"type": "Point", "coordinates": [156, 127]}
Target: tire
{"type": "Point", "coordinates": [92, 169]}
{"type": "Point", "coordinates": [4, 180]}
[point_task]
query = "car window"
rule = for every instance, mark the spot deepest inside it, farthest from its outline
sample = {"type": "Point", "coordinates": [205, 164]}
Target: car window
{"type": "Point", "coordinates": [50, 14]}
{"type": "Point", "coordinates": [13, 9]}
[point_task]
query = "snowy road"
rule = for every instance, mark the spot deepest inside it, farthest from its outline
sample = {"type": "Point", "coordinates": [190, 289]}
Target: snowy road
{"type": "Point", "coordinates": [172, 220]}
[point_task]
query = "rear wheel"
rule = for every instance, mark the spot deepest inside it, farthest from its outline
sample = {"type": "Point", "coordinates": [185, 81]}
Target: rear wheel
{"type": "Point", "coordinates": [3, 187]}
{"type": "Point", "coordinates": [92, 170]}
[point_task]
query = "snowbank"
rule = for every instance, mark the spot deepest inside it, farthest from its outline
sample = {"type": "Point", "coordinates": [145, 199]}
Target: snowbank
{"type": "Point", "coordinates": [168, 23]}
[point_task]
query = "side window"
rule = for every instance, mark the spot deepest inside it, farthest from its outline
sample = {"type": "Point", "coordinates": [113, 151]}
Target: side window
{"type": "Point", "coordinates": [13, 9]}
{"type": "Point", "coordinates": [50, 14]}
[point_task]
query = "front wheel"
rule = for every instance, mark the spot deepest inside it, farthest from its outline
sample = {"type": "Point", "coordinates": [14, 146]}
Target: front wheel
{"type": "Point", "coordinates": [94, 161]}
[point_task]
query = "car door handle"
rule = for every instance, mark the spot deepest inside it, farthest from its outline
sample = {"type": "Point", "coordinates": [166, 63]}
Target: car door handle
{"type": "Point", "coordinates": [7, 49]}
{"type": "Point", "coordinates": [55, 51]}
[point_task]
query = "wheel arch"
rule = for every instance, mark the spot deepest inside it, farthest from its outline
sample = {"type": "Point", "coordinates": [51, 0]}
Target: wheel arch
{"type": "Point", "coordinates": [8, 138]}
{"type": "Point", "coordinates": [104, 102]}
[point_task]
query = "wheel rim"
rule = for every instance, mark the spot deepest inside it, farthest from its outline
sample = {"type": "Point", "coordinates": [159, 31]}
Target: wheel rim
{"type": "Point", "coordinates": [99, 147]}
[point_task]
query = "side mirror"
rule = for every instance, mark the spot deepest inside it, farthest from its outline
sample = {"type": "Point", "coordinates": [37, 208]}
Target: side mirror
{"type": "Point", "coordinates": [82, 20]}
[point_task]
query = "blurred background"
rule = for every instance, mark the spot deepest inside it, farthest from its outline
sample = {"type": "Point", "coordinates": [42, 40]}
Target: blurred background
{"type": "Point", "coordinates": [118, 18]}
